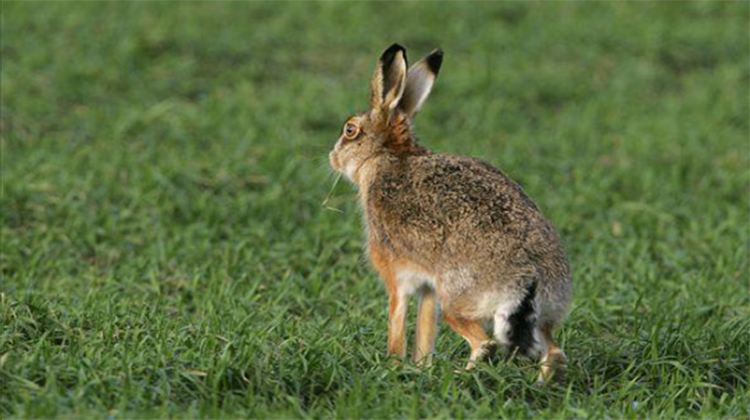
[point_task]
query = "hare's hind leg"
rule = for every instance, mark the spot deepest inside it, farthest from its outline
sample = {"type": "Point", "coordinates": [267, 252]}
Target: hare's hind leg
{"type": "Point", "coordinates": [554, 361]}
{"type": "Point", "coordinates": [473, 332]}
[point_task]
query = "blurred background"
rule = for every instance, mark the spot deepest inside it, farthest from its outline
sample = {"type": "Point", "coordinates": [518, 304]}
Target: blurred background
{"type": "Point", "coordinates": [165, 251]}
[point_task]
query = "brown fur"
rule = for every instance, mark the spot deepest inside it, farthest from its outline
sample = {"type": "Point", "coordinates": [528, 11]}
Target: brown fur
{"type": "Point", "coordinates": [399, 138]}
{"type": "Point", "coordinates": [458, 221]}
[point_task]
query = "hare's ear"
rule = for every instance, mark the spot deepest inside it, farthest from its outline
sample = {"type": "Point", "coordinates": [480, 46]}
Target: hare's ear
{"type": "Point", "coordinates": [389, 79]}
{"type": "Point", "coordinates": [419, 81]}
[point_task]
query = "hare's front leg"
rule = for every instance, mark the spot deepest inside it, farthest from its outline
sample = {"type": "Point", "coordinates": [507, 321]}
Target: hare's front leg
{"type": "Point", "coordinates": [398, 302]}
{"type": "Point", "coordinates": [397, 305]}
{"type": "Point", "coordinates": [426, 327]}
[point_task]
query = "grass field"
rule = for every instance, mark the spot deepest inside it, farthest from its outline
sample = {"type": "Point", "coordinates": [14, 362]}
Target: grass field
{"type": "Point", "coordinates": [165, 252]}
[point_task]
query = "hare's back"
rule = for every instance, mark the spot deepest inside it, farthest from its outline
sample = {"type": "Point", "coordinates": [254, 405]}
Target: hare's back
{"type": "Point", "coordinates": [473, 193]}
{"type": "Point", "coordinates": [491, 225]}
{"type": "Point", "coordinates": [446, 208]}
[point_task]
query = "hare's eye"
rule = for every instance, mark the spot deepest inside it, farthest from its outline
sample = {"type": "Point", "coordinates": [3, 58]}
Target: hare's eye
{"type": "Point", "coordinates": [351, 130]}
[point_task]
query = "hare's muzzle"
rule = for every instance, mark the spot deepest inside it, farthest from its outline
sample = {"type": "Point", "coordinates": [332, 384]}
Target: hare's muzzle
{"type": "Point", "coordinates": [334, 161]}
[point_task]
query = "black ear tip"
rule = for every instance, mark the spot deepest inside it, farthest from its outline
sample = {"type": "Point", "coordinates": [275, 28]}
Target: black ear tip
{"type": "Point", "coordinates": [435, 60]}
{"type": "Point", "coordinates": [395, 47]}
{"type": "Point", "coordinates": [391, 51]}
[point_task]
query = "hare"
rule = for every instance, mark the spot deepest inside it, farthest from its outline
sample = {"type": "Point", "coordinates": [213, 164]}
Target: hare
{"type": "Point", "coordinates": [454, 230]}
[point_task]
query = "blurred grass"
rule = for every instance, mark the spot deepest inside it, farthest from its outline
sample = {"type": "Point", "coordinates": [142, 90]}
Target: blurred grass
{"type": "Point", "coordinates": [165, 252]}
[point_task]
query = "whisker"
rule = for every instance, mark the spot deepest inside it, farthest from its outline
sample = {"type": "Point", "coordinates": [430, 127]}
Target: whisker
{"type": "Point", "coordinates": [330, 193]}
{"type": "Point", "coordinates": [315, 158]}
{"type": "Point", "coordinates": [326, 167]}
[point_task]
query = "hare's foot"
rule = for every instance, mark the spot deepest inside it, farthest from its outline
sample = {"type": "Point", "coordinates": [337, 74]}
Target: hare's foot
{"type": "Point", "coordinates": [554, 362]}
{"type": "Point", "coordinates": [480, 353]}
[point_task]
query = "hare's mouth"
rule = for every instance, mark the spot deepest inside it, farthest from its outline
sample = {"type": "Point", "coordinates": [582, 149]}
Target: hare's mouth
{"type": "Point", "coordinates": [348, 168]}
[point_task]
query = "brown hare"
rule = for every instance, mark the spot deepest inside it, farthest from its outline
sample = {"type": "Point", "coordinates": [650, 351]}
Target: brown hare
{"type": "Point", "coordinates": [453, 229]}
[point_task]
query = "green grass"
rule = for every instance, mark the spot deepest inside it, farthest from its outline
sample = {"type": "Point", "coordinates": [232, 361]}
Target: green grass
{"type": "Point", "coordinates": [165, 252]}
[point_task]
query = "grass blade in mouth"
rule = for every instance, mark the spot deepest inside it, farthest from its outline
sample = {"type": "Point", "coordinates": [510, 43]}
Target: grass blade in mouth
{"type": "Point", "coordinates": [330, 193]}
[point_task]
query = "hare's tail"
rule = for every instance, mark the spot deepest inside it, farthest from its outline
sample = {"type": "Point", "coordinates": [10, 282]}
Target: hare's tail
{"type": "Point", "coordinates": [519, 328]}
{"type": "Point", "coordinates": [515, 323]}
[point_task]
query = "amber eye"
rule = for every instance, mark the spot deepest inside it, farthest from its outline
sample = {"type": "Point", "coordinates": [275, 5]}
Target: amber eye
{"type": "Point", "coordinates": [351, 130]}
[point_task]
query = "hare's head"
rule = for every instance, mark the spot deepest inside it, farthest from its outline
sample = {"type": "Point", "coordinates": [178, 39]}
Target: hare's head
{"type": "Point", "coordinates": [396, 95]}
